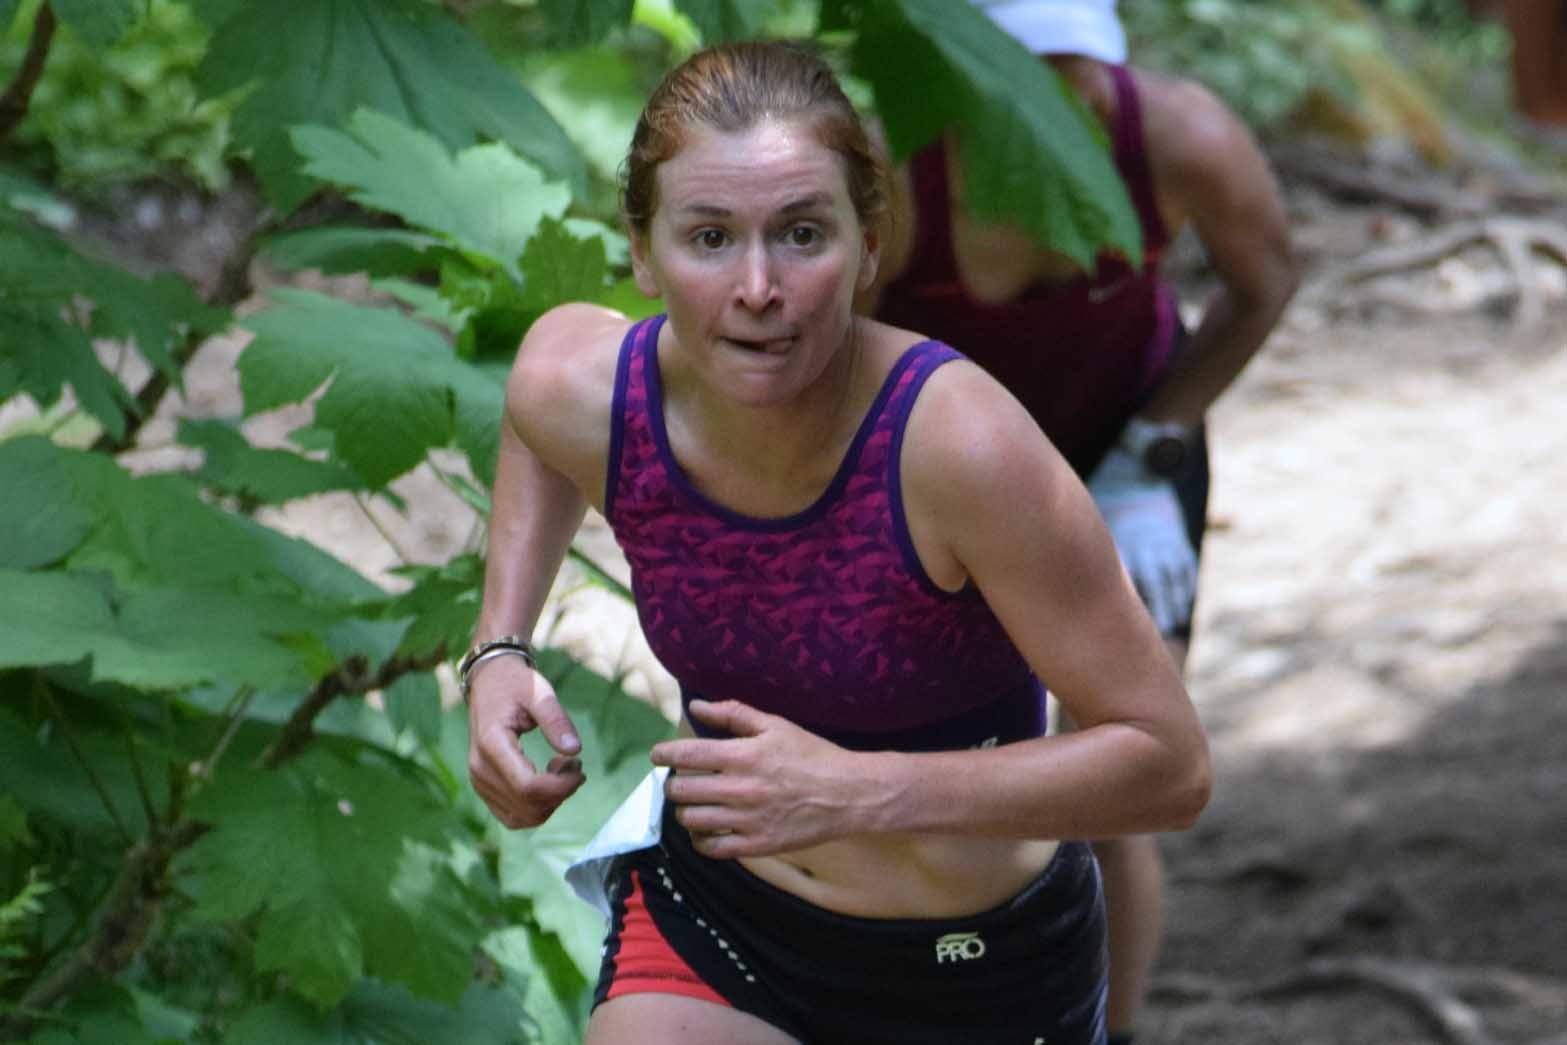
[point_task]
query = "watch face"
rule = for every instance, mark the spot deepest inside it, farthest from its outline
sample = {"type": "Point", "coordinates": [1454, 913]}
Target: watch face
{"type": "Point", "coordinates": [1165, 456]}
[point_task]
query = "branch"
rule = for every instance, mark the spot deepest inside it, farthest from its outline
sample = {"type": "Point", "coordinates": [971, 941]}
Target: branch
{"type": "Point", "coordinates": [353, 676]}
{"type": "Point", "coordinates": [13, 104]}
{"type": "Point", "coordinates": [127, 914]}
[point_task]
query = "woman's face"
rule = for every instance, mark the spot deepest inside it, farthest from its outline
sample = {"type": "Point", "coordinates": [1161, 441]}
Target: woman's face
{"type": "Point", "coordinates": [757, 251]}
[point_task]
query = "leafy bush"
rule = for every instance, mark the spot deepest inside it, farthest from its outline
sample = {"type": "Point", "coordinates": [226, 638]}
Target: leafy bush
{"type": "Point", "coordinates": [129, 110]}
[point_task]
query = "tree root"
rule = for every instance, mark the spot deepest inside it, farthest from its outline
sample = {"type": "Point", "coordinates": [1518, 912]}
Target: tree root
{"type": "Point", "coordinates": [1429, 992]}
{"type": "Point", "coordinates": [1516, 240]}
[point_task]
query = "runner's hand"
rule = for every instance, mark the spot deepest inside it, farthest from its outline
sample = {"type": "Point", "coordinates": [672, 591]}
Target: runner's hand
{"type": "Point", "coordinates": [1144, 516]}
{"type": "Point", "coordinates": [770, 787]}
{"type": "Point", "coordinates": [508, 699]}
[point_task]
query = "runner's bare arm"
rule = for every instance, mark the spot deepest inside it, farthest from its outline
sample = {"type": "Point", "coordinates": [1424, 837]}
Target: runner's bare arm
{"type": "Point", "coordinates": [1211, 173]}
{"type": "Point", "coordinates": [553, 443]}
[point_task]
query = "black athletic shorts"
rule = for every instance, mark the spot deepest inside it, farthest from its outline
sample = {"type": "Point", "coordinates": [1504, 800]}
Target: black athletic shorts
{"type": "Point", "coordinates": [1028, 972]}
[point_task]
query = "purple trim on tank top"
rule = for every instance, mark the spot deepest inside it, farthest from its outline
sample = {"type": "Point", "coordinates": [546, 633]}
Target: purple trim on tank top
{"type": "Point", "coordinates": [1131, 157]}
{"type": "Point", "coordinates": [653, 378]}
{"type": "Point", "coordinates": [928, 362]}
{"type": "Point", "coordinates": [617, 426]}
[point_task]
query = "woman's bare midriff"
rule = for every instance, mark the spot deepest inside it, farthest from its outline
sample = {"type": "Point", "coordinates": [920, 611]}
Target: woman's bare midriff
{"type": "Point", "coordinates": [907, 876]}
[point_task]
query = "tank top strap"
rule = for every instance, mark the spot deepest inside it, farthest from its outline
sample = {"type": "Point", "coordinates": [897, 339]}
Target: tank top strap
{"type": "Point", "coordinates": [1130, 151]}
{"type": "Point", "coordinates": [890, 415]}
{"type": "Point", "coordinates": [631, 427]}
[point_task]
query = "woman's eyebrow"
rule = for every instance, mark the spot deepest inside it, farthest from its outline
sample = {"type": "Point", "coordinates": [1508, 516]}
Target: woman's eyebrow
{"type": "Point", "coordinates": [812, 201]}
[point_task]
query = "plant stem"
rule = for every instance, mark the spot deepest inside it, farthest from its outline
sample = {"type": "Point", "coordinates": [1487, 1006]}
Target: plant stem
{"type": "Point", "coordinates": [353, 676]}
{"type": "Point", "coordinates": [127, 913]}
{"type": "Point", "coordinates": [13, 104]}
{"type": "Point", "coordinates": [81, 760]}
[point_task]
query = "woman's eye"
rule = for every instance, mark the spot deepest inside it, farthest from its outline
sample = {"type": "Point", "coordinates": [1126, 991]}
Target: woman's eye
{"type": "Point", "coordinates": [803, 236]}
{"type": "Point", "coordinates": [710, 239]}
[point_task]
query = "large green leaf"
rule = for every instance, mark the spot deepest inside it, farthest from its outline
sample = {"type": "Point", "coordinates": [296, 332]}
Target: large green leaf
{"type": "Point", "coordinates": [396, 388]}
{"type": "Point", "coordinates": [1031, 153]}
{"type": "Point", "coordinates": [385, 1014]}
{"type": "Point", "coordinates": [727, 19]}
{"type": "Point", "coordinates": [486, 199]}
{"type": "Point", "coordinates": [319, 61]}
{"type": "Point", "coordinates": [557, 994]}
{"type": "Point", "coordinates": [170, 638]}
{"type": "Point", "coordinates": [233, 466]}
{"type": "Point", "coordinates": [338, 250]}
{"type": "Point", "coordinates": [168, 591]}
{"type": "Point", "coordinates": [45, 282]}
{"type": "Point", "coordinates": [617, 732]}
{"type": "Point", "coordinates": [343, 864]}
{"type": "Point", "coordinates": [42, 355]}
{"type": "Point", "coordinates": [43, 514]}
{"type": "Point", "coordinates": [577, 22]}
{"type": "Point", "coordinates": [99, 22]}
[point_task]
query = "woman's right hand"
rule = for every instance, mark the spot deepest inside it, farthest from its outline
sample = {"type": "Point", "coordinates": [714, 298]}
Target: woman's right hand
{"type": "Point", "coordinates": [507, 699]}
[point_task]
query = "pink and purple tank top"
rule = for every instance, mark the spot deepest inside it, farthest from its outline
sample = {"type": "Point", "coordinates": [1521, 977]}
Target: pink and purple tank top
{"type": "Point", "coordinates": [1080, 356]}
{"type": "Point", "coordinates": [825, 617]}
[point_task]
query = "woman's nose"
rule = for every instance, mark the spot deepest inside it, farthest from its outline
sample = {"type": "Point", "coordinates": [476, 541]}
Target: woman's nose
{"type": "Point", "coordinates": [757, 286]}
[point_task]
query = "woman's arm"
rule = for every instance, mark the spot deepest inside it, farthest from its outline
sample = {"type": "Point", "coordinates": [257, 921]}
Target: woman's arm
{"type": "Point", "coordinates": [554, 439]}
{"type": "Point", "coordinates": [990, 499]}
{"type": "Point", "coordinates": [1211, 174]}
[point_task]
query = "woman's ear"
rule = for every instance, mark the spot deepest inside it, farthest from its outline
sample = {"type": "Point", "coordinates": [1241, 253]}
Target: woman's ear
{"type": "Point", "coordinates": [870, 257]}
{"type": "Point", "coordinates": [641, 267]}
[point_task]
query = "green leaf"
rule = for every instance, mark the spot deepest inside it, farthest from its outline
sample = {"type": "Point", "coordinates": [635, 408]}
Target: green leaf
{"type": "Point", "coordinates": [558, 266]}
{"type": "Point", "coordinates": [617, 733]}
{"type": "Point", "coordinates": [486, 199]}
{"type": "Point", "coordinates": [42, 514]}
{"type": "Point", "coordinates": [396, 390]}
{"type": "Point", "coordinates": [41, 772]}
{"type": "Point", "coordinates": [99, 22]}
{"type": "Point", "coordinates": [233, 466]}
{"type": "Point", "coordinates": [43, 355]}
{"type": "Point", "coordinates": [318, 61]}
{"type": "Point", "coordinates": [386, 1014]}
{"type": "Point", "coordinates": [426, 302]}
{"type": "Point", "coordinates": [46, 280]}
{"type": "Point", "coordinates": [338, 250]}
{"type": "Point", "coordinates": [161, 639]}
{"type": "Point", "coordinates": [1031, 153]}
{"type": "Point", "coordinates": [413, 704]}
{"type": "Point", "coordinates": [557, 994]}
{"type": "Point", "coordinates": [13, 823]}
{"type": "Point", "coordinates": [351, 851]}
{"type": "Point", "coordinates": [576, 22]}
{"type": "Point", "coordinates": [442, 604]}
{"type": "Point", "coordinates": [727, 19]}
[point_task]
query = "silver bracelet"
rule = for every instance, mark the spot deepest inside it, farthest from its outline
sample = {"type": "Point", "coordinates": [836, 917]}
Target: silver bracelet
{"type": "Point", "coordinates": [513, 645]}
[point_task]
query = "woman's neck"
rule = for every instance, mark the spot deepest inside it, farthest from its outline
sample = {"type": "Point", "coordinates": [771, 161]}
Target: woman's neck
{"type": "Point", "coordinates": [765, 460]}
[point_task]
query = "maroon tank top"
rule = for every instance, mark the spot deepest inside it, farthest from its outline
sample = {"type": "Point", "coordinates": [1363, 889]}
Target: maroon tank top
{"type": "Point", "coordinates": [1082, 356]}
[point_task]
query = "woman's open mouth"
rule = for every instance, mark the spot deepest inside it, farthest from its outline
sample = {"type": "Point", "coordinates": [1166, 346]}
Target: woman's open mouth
{"type": "Point", "coordinates": [771, 346]}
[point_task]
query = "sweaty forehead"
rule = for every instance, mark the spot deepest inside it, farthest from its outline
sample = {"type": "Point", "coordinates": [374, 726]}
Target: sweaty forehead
{"type": "Point", "coordinates": [774, 163]}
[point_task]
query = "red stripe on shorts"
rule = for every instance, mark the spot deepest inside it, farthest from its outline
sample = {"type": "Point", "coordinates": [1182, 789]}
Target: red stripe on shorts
{"type": "Point", "coordinates": [646, 963]}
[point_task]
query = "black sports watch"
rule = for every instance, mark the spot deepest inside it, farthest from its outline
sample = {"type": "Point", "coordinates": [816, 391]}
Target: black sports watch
{"type": "Point", "coordinates": [1160, 447]}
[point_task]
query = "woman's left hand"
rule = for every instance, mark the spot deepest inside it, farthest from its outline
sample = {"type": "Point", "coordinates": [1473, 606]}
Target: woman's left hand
{"type": "Point", "coordinates": [771, 787]}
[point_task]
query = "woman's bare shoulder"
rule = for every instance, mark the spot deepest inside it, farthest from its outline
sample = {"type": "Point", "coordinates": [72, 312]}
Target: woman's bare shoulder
{"type": "Point", "coordinates": [562, 382]}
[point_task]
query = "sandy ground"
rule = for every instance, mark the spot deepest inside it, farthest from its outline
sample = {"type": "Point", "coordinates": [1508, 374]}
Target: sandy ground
{"type": "Point", "coordinates": [1380, 659]}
